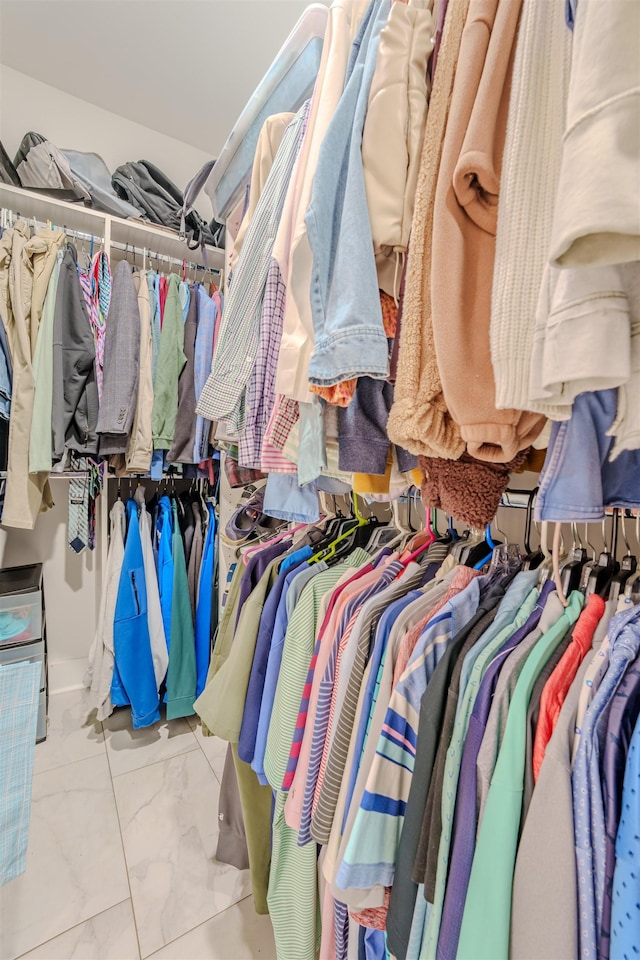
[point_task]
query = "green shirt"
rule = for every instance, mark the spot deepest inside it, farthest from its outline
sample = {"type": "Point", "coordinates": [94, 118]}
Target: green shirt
{"type": "Point", "coordinates": [223, 697]}
{"type": "Point", "coordinates": [487, 913]}
{"type": "Point", "coordinates": [171, 360]}
{"type": "Point", "coordinates": [181, 674]}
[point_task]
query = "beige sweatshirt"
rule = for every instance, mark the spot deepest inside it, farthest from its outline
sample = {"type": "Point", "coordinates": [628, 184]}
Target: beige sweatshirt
{"type": "Point", "coordinates": [464, 231]}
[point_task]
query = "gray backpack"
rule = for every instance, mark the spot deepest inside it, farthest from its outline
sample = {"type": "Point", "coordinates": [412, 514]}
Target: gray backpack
{"type": "Point", "coordinates": [68, 175]}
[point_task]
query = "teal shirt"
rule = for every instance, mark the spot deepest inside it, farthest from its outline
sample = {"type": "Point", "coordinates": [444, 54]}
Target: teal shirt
{"type": "Point", "coordinates": [487, 914]}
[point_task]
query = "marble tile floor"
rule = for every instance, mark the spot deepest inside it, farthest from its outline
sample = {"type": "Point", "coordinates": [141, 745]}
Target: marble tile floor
{"type": "Point", "coordinates": [121, 861]}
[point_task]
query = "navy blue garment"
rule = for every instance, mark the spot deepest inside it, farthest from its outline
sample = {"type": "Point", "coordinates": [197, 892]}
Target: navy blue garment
{"type": "Point", "coordinates": [255, 688]}
{"type": "Point", "coordinates": [134, 680]}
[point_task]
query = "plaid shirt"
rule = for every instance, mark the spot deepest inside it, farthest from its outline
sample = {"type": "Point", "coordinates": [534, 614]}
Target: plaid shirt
{"type": "Point", "coordinates": [261, 395]}
{"type": "Point", "coordinates": [284, 416]}
{"type": "Point", "coordinates": [19, 696]}
{"type": "Point", "coordinates": [237, 344]}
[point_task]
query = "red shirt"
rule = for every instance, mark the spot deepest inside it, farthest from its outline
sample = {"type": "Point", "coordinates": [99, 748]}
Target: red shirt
{"type": "Point", "coordinates": [557, 686]}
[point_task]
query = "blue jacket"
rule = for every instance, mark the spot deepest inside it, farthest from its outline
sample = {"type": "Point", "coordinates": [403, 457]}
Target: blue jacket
{"type": "Point", "coordinates": [350, 340]}
{"type": "Point", "coordinates": [205, 604]}
{"type": "Point", "coordinates": [164, 535]}
{"type": "Point", "coordinates": [134, 680]}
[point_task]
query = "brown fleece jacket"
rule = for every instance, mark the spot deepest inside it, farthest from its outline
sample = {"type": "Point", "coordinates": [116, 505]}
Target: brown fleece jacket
{"type": "Point", "coordinates": [419, 420]}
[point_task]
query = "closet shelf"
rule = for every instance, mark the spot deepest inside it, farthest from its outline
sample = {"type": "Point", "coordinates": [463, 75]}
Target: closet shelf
{"type": "Point", "coordinates": [136, 233]}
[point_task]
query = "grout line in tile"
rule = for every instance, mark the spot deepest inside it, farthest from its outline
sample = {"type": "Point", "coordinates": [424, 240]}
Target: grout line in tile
{"type": "Point", "coordinates": [143, 766]}
{"type": "Point", "coordinates": [124, 855]}
{"type": "Point", "coordinates": [69, 929]}
{"type": "Point", "coordinates": [71, 763]}
{"type": "Point", "coordinates": [149, 956]}
{"type": "Point", "coordinates": [208, 759]}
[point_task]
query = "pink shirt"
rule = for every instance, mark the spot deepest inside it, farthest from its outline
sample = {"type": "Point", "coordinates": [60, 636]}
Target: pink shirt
{"type": "Point", "coordinates": [326, 635]}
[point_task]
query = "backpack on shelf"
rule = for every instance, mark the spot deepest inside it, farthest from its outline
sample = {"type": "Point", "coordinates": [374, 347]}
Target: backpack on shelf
{"type": "Point", "coordinates": [42, 166]}
{"type": "Point", "coordinates": [145, 186]}
{"type": "Point", "coordinates": [68, 175]}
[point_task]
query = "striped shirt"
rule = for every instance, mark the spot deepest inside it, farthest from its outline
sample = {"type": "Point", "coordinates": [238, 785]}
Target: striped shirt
{"type": "Point", "coordinates": [307, 713]}
{"type": "Point", "coordinates": [354, 663]}
{"type": "Point", "coordinates": [372, 847]}
{"type": "Point", "coordinates": [237, 343]}
{"type": "Point", "coordinates": [325, 688]}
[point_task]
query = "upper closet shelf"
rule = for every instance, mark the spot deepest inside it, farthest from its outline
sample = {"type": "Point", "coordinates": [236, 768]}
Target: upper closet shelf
{"type": "Point", "coordinates": [136, 233]}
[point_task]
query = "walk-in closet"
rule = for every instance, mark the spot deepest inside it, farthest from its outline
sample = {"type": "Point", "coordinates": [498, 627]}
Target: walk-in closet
{"type": "Point", "coordinates": [319, 479]}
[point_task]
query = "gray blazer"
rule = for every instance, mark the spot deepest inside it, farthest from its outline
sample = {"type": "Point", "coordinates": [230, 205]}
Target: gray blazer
{"type": "Point", "coordinates": [121, 363]}
{"type": "Point", "coordinates": [74, 393]}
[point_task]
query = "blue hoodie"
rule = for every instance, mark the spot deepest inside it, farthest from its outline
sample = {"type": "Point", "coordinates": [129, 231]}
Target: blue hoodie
{"type": "Point", "coordinates": [134, 680]}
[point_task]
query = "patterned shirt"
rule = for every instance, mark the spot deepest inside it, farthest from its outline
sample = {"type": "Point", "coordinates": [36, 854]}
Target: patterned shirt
{"type": "Point", "coordinates": [625, 914]}
{"type": "Point", "coordinates": [624, 643]}
{"type": "Point", "coordinates": [237, 344]}
{"type": "Point", "coordinates": [260, 398]}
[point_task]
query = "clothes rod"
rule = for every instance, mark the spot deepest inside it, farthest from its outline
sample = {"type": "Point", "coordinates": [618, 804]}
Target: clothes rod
{"type": "Point", "coordinates": [9, 218]}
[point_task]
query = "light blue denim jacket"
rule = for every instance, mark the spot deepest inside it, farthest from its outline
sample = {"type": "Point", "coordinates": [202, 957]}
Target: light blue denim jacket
{"type": "Point", "coordinates": [349, 335]}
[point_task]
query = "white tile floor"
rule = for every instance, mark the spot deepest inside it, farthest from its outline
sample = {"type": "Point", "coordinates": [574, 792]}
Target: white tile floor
{"type": "Point", "coordinates": [121, 862]}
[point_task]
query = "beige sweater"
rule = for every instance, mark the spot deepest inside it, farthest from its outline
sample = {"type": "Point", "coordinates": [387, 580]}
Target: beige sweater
{"type": "Point", "coordinates": [464, 234]}
{"type": "Point", "coordinates": [419, 420]}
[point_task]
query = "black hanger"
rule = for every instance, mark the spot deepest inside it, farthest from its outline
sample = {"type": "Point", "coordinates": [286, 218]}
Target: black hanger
{"type": "Point", "coordinates": [533, 558]}
{"type": "Point", "coordinates": [602, 573]}
{"type": "Point", "coordinates": [628, 566]}
{"type": "Point", "coordinates": [571, 572]}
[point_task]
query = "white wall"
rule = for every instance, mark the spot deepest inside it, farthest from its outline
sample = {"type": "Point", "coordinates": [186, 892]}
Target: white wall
{"type": "Point", "coordinates": [71, 584]}
{"type": "Point", "coordinates": [27, 104]}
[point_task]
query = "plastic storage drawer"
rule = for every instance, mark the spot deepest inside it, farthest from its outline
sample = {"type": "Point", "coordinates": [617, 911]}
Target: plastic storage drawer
{"type": "Point", "coordinates": [20, 618]}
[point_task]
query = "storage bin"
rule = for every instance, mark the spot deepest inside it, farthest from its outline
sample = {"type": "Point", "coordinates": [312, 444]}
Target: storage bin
{"type": "Point", "coordinates": [20, 618]}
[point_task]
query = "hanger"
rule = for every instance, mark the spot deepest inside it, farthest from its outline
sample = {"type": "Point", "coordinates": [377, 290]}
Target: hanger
{"type": "Point", "coordinates": [330, 552]}
{"type": "Point", "coordinates": [628, 566]}
{"type": "Point", "coordinates": [571, 571]}
{"type": "Point", "coordinates": [271, 540]}
{"type": "Point", "coordinates": [507, 557]}
{"type": "Point", "coordinates": [387, 534]}
{"type": "Point", "coordinates": [479, 549]}
{"type": "Point", "coordinates": [601, 573]}
{"type": "Point", "coordinates": [632, 586]}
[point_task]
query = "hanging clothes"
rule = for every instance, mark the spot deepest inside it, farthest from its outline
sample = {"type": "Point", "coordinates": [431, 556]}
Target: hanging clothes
{"type": "Point", "coordinates": [134, 680]}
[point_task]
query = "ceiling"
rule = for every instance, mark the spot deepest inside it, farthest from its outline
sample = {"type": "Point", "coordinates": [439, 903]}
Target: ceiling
{"type": "Point", "coordinates": [185, 68]}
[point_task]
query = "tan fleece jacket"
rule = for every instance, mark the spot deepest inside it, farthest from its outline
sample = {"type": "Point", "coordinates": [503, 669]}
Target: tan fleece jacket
{"type": "Point", "coordinates": [464, 232]}
{"type": "Point", "coordinates": [419, 420]}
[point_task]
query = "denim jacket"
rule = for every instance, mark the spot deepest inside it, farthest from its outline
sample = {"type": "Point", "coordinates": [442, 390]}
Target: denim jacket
{"type": "Point", "coordinates": [349, 335]}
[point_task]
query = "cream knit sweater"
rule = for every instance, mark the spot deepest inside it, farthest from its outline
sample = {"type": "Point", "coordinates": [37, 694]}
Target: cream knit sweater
{"type": "Point", "coordinates": [419, 420]}
{"type": "Point", "coordinates": [530, 173]}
